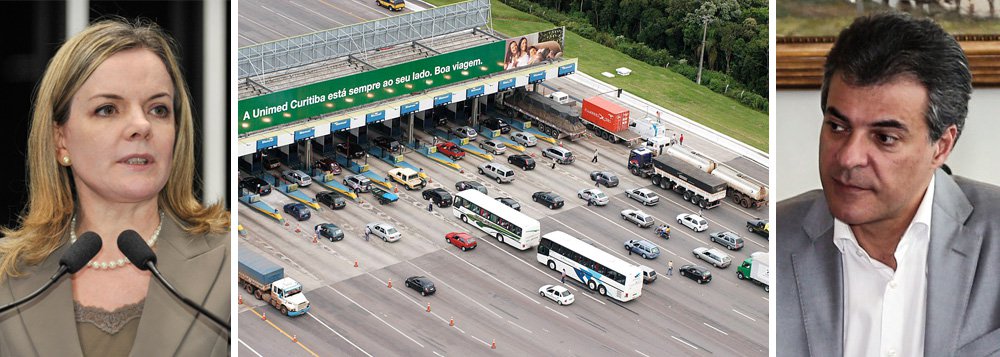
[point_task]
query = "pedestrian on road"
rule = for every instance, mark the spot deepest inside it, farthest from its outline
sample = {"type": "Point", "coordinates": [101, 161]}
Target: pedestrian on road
{"type": "Point", "coordinates": [590, 201]}
{"type": "Point", "coordinates": [430, 206]}
{"type": "Point", "coordinates": [594, 160]}
{"type": "Point", "coordinates": [682, 138]}
{"type": "Point", "coordinates": [630, 251]}
{"type": "Point", "coordinates": [367, 232]}
{"type": "Point", "coordinates": [674, 140]}
{"type": "Point", "coordinates": [700, 213]}
{"type": "Point", "coordinates": [553, 163]}
{"type": "Point", "coordinates": [670, 268]}
{"type": "Point", "coordinates": [563, 278]}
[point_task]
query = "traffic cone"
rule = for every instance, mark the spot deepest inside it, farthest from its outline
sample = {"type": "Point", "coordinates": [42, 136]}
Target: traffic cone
{"type": "Point", "coordinates": [295, 338]}
{"type": "Point", "coordinates": [395, 189]}
{"type": "Point", "coordinates": [452, 322]}
{"type": "Point", "coordinates": [297, 230]}
{"type": "Point", "coordinates": [355, 263]}
{"type": "Point", "coordinates": [240, 300]}
{"type": "Point", "coordinates": [286, 224]}
{"type": "Point", "coordinates": [263, 315]}
{"type": "Point", "coordinates": [390, 283]}
{"type": "Point", "coordinates": [428, 307]}
{"type": "Point", "coordinates": [315, 239]}
{"type": "Point", "coordinates": [461, 171]}
{"type": "Point", "coordinates": [494, 344]}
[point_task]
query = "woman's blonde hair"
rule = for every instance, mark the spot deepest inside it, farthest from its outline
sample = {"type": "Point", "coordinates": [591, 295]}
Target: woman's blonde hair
{"type": "Point", "coordinates": [50, 190]}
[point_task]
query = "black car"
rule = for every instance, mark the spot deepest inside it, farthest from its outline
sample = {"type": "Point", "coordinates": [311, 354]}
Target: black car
{"type": "Point", "coordinates": [328, 165]}
{"type": "Point", "coordinates": [329, 231]}
{"type": "Point", "coordinates": [332, 199]}
{"type": "Point", "coordinates": [496, 124]}
{"type": "Point", "coordinates": [696, 273]}
{"type": "Point", "coordinates": [549, 199]}
{"type": "Point", "coordinates": [271, 162]}
{"type": "Point", "coordinates": [510, 202]}
{"type": "Point", "coordinates": [298, 210]}
{"type": "Point", "coordinates": [255, 186]}
{"type": "Point", "coordinates": [606, 178]}
{"type": "Point", "coordinates": [388, 144]}
{"type": "Point", "coordinates": [421, 284]}
{"type": "Point", "coordinates": [352, 150]}
{"type": "Point", "coordinates": [465, 185]}
{"type": "Point", "coordinates": [759, 226]}
{"type": "Point", "coordinates": [439, 196]}
{"type": "Point", "coordinates": [523, 161]}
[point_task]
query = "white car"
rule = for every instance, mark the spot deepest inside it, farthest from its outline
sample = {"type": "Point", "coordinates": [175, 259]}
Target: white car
{"type": "Point", "coordinates": [383, 230]}
{"type": "Point", "coordinates": [644, 195]}
{"type": "Point", "coordinates": [640, 218]}
{"type": "Point", "coordinates": [557, 293]}
{"type": "Point", "coordinates": [693, 221]}
{"type": "Point", "coordinates": [524, 138]}
{"type": "Point", "coordinates": [598, 196]}
{"type": "Point", "coordinates": [494, 147]}
{"type": "Point", "coordinates": [298, 177]}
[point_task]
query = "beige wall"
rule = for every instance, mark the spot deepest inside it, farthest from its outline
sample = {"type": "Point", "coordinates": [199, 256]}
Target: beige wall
{"type": "Point", "coordinates": [976, 156]}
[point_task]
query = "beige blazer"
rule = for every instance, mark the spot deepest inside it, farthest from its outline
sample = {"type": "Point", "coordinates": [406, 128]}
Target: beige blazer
{"type": "Point", "coordinates": [196, 265]}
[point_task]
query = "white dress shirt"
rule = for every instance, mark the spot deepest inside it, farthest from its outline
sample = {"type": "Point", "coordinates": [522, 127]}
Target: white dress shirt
{"type": "Point", "coordinates": [884, 310]}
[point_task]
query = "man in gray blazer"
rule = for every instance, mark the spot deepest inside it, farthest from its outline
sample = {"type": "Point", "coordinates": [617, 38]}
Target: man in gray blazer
{"type": "Point", "coordinates": [894, 257]}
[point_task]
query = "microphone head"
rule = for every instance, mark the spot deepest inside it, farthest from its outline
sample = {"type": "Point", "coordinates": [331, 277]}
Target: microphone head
{"type": "Point", "coordinates": [136, 249]}
{"type": "Point", "coordinates": [81, 252]}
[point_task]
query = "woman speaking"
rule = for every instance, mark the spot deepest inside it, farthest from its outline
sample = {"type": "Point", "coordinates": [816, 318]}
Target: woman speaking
{"type": "Point", "coordinates": [111, 149]}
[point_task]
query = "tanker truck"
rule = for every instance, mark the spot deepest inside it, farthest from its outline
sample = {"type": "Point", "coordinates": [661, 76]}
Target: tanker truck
{"type": "Point", "coordinates": [742, 189]}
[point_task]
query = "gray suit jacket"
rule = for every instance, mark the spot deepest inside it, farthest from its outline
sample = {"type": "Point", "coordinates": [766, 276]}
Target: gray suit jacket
{"type": "Point", "coordinates": [197, 266]}
{"type": "Point", "coordinates": [963, 278]}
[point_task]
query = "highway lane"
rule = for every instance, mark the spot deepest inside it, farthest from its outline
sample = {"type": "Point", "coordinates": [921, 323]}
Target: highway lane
{"type": "Point", "coordinates": [263, 21]}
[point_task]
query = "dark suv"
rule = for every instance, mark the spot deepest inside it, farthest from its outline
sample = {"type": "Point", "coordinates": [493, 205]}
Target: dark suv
{"type": "Point", "coordinates": [439, 196]}
{"type": "Point", "coordinates": [255, 186]}
{"type": "Point", "coordinates": [352, 150]}
{"type": "Point", "coordinates": [297, 210]}
{"type": "Point", "coordinates": [548, 199]}
{"type": "Point", "coordinates": [388, 144]}
{"type": "Point", "coordinates": [496, 124]}
{"type": "Point", "coordinates": [523, 161]}
{"type": "Point", "coordinates": [332, 199]}
{"type": "Point", "coordinates": [328, 165]}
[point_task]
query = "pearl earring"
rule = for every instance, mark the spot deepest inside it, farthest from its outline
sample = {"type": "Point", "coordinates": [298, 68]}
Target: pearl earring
{"type": "Point", "coordinates": [65, 160]}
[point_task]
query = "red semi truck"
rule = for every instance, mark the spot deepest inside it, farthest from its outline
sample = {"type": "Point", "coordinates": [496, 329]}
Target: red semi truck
{"type": "Point", "coordinates": [608, 120]}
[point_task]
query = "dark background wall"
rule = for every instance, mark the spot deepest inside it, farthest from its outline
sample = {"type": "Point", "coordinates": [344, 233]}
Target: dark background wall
{"type": "Point", "coordinates": [32, 32]}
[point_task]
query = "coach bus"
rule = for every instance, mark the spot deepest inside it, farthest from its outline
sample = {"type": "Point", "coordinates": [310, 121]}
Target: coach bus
{"type": "Point", "coordinates": [497, 219]}
{"type": "Point", "coordinates": [597, 269]}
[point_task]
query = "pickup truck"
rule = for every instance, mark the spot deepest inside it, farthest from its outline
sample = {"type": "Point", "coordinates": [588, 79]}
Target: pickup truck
{"type": "Point", "coordinates": [451, 150]}
{"type": "Point", "coordinates": [408, 178]}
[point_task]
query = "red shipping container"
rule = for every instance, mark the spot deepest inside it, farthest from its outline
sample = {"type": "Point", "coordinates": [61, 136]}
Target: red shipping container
{"type": "Point", "coordinates": [602, 112]}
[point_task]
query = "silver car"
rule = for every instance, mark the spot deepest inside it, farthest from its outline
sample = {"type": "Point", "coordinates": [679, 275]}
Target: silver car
{"type": "Point", "coordinates": [297, 177]}
{"type": "Point", "coordinates": [713, 256]}
{"type": "Point", "coordinates": [593, 195]}
{"type": "Point", "coordinates": [494, 147]}
{"type": "Point", "coordinates": [640, 218]}
{"type": "Point", "coordinates": [465, 132]}
{"type": "Point", "coordinates": [644, 195]}
{"type": "Point", "coordinates": [524, 138]}
{"type": "Point", "coordinates": [383, 230]}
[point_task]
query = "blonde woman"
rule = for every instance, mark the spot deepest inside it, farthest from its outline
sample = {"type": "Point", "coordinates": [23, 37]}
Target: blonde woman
{"type": "Point", "coordinates": [111, 149]}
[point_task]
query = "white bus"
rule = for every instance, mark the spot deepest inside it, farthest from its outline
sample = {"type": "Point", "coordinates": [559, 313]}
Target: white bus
{"type": "Point", "coordinates": [596, 268]}
{"type": "Point", "coordinates": [497, 219]}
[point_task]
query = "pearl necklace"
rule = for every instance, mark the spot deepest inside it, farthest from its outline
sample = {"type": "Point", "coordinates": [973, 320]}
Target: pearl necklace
{"type": "Point", "coordinates": [114, 263]}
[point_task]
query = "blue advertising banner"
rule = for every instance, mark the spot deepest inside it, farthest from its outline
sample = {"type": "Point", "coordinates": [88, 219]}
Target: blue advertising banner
{"type": "Point", "coordinates": [375, 117]}
{"type": "Point", "coordinates": [506, 84]}
{"type": "Point", "coordinates": [567, 69]}
{"type": "Point", "coordinates": [305, 134]}
{"type": "Point", "coordinates": [409, 108]}
{"type": "Point", "coordinates": [536, 77]}
{"type": "Point", "coordinates": [267, 143]}
{"type": "Point", "coordinates": [442, 99]}
{"type": "Point", "coordinates": [474, 91]}
{"type": "Point", "coordinates": [340, 125]}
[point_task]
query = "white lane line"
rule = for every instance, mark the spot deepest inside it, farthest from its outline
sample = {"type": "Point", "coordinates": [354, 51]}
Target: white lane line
{"type": "Point", "coordinates": [682, 341]}
{"type": "Point", "coordinates": [744, 315]}
{"type": "Point", "coordinates": [310, 28]}
{"type": "Point", "coordinates": [494, 278]}
{"type": "Point", "coordinates": [338, 334]}
{"type": "Point", "coordinates": [435, 352]}
{"type": "Point", "coordinates": [714, 328]}
{"type": "Point", "coordinates": [477, 339]}
{"type": "Point", "coordinates": [637, 351]}
{"type": "Point", "coordinates": [455, 290]}
{"type": "Point", "coordinates": [321, 15]}
{"type": "Point", "coordinates": [249, 348]}
{"type": "Point", "coordinates": [519, 326]}
{"type": "Point", "coordinates": [765, 298]}
{"type": "Point", "coordinates": [560, 314]}
{"type": "Point", "coordinates": [376, 316]}
{"type": "Point", "coordinates": [263, 26]}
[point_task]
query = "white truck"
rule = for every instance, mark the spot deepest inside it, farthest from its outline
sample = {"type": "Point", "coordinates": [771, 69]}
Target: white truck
{"type": "Point", "coordinates": [742, 190]}
{"type": "Point", "coordinates": [653, 132]}
{"type": "Point", "coordinates": [757, 269]}
{"type": "Point", "coordinates": [266, 281]}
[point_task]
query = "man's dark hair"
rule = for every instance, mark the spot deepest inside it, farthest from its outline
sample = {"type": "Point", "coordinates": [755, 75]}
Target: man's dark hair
{"type": "Point", "coordinates": [877, 49]}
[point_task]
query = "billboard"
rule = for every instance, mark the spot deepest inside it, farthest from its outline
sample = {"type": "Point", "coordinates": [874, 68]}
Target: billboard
{"type": "Point", "coordinates": [533, 48]}
{"type": "Point", "coordinates": [337, 94]}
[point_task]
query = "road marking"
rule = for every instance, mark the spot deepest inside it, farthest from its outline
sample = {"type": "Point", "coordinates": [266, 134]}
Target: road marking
{"type": "Point", "coordinates": [249, 348]}
{"type": "Point", "coordinates": [376, 316]}
{"type": "Point", "coordinates": [494, 278]}
{"type": "Point", "coordinates": [524, 261]}
{"type": "Point", "coordinates": [321, 15]}
{"type": "Point", "coordinates": [290, 19]}
{"type": "Point", "coordinates": [744, 315]}
{"type": "Point", "coordinates": [264, 26]}
{"type": "Point", "coordinates": [435, 352]}
{"type": "Point", "coordinates": [284, 333]}
{"type": "Point", "coordinates": [560, 314]}
{"type": "Point", "coordinates": [338, 334]}
{"type": "Point", "coordinates": [519, 326]}
{"type": "Point", "coordinates": [344, 11]}
{"type": "Point", "coordinates": [637, 351]}
{"type": "Point", "coordinates": [456, 290]}
{"type": "Point", "coordinates": [714, 328]}
{"type": "Point", "coordinates": [684, 342]}
{"type": "Point", "coordinates": [765, 298]}
{"type": "Point", "coordinates": [477, 339]}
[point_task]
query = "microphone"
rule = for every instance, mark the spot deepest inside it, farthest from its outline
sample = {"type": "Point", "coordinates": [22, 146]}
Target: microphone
{"type": "Point", "coordinates": [139, 253]}
{"type": "Point", "coordinates": [81, 252]}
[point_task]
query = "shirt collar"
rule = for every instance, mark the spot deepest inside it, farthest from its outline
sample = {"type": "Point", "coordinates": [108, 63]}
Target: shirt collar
{"type": "Point", "coordinates": [842, 234]}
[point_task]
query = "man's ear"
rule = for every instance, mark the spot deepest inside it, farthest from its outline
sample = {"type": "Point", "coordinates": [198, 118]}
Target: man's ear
{"type": "Point", "coordinates": [944, 145]}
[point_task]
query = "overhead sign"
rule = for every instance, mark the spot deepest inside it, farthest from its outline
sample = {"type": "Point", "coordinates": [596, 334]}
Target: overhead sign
{"type": "Point", "coordinates": [409, 108]}
{"type": "Point", "coordinates": [566, 70]}
{"type": "Point", "coordinates": [506, 84]}
{"type": "Point", "coordinates": [475, 91]}
{"type": "Point", "coordinates": [442, 99]}
{"type": "Point", "coordinates": [305, 134]}
{"type": "Point", "coordinates": [340, 125]}
{"type": "Point", "coordinates": [333, 95]}
{"type": "Point", "coordinates": [375, 117]}
{"type": "Point", "coordinates": [267, 143]}
{"type": "Point", "coordinates": [536, 77]}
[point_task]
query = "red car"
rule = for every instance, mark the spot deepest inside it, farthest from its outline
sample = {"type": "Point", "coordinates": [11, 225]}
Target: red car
{"type": "Point", "coordinates": [451, 150]}
{"type": "Point", "coordinates": [461, 240]}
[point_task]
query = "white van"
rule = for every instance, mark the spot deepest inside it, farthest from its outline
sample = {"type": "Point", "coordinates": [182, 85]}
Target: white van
{"type": "Point", "coordinates": [560, 97]}
{"type": "Point", "coordinates": [498, 172]}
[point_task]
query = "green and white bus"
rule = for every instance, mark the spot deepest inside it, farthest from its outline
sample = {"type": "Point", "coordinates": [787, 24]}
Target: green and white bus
{"type": "Point", "coordinates": [599, 270]}
{"type": "Point", "coordinates": [497, 219]}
